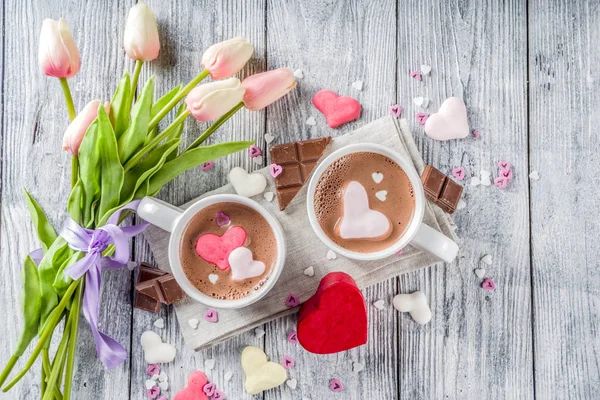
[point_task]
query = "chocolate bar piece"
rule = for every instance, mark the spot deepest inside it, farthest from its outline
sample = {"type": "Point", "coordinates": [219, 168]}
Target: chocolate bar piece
{"type": "Point", "coordinates": [440, 189]}
{"type": "Point", "coordinates": [145, 303]}
{"type": "Point", "coordinates": [298, 159]}
{"type": "Point", "coordinates": [154, 287]}
{"type": "Point", "coordinates": [170, 289]}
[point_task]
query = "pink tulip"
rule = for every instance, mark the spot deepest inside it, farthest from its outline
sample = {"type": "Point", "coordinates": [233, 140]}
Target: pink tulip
{"type": "Point", "coordinates": [210, 101]}
{"type": "Point", "coordinates": [58, 55]}
{"type": "Point", "coordinates": [227, 58]}
{"type": "Point", "coordinates": [76, 130]}
{"type": "Point", "coordinates": [141, 34]}
{"type": "Point", "coordinates": [265, 88]}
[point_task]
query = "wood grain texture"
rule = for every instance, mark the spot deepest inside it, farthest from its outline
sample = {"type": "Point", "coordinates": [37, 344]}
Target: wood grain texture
{"type": "Point", "coordinates": [564, 145]}
{"type": "Point", "coordinates": [478, 343]}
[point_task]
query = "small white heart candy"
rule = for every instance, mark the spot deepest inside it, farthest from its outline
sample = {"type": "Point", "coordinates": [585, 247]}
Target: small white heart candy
{"type": "Point", "coordinates": [291, 383]}
{"type": "Point", "coordinates": [159, 323]}
{"type": "Point", "coordinates": [487, 259]}
{"type": "Point", "coordinates": [269, 196]}
{"type": "Point", "coordinates": [377, 177]}
{"type": "Point", "coordinates": [331, 255]}
{"type": "Point", "coordinates": [357, 367]}
{"type": "Point", "coordinates": [155, 351]}
{"type": "Point", "coordinates": [485, 174]}
{"type": "Point", "coordinates": [534, 175]}
{"type": "Point", "coordinates": [243, 266]}
{"type": "Point", "coordinates": [162, 377]}
{"type": "Point", "coordinates": [246, 184]}
{"type": "Point", "coordinates": [461, 204]}
{"type": "Point", "coordinates": [475, 181]}
{"type": "Point", "coordinates": [209, 363]}
{"type": "Point", "coordinates": [298, 74]}
{"type": "Point", "coordinates": [310, 271]}
{"type": "Point", "coordinates": [480, 272]}
{"type": "Point", "coordinates": [486, 181]}
{"type": "Point", "coordinates": [358, 85]}
{"type": "Point", "coordinates": [425, 69]}
{"type": "Point", "coordinates": [379, 304]}
{"type": "Point", "coordinates": [450, 122]}
{"type": "Point", "coordinates": [258, 160]}
{"type": "Point", "coordinates": [269, 138]}
{"type": "Point", "coordinates": [154, 377]}
{"type": "Point", "coordinates": [311, 121]}
{"type": "Point", "coordinates": [422, 102]}
{"type": "Point", "coordinates": [259, 332]}
{"type": "Point", "coordinates": [228, 376]}
{"type": "Point", "coordinates": [164, 386]}
{"type": "Point", "coordinates": [213, 278]}
{"type": "Point", "coordinates": [193, 322]}
{"type": "Point", "coordinates": [381, 195]}
{"type": "Point", "coordinates": [150, 384]}
{"type": "Point", "coordinates": [415, 304]}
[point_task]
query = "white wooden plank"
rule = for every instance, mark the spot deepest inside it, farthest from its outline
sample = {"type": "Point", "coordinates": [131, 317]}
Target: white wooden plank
{"type": "Point", "coordinates": [478, 343]}
{"type": "Point", "coordinates": [564, 143]}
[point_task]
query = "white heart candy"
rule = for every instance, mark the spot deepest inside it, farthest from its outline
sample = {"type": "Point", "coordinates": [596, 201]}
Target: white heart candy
{"type": "Point", "coordinates": [415, 304]}
{"type": "Point", "coordinates": [258, 160]}
{"type": "Point", "coordinates": [534, 175]}
{"type": "Point", "coordinates": [259, 332]}
{"type": "Point", "coordinates": [358, 220]}
{"type": "Point", "coordinates": [310, 271]}
{"type": "Point", "coordinates": [487, 259]}
{"type": "Point", "coordinates": [311, 121]}
{"type": "Point", "coordinates": [379, 304]}
{"type": "Point", "coordinates": [162, 377]}
{"type": "Point", "coordinates": [159, 323]}
{"type": "Point", "coordinates": [243, 266]}
{"type": "Point", "coordinates": [461, 204]}
{"type": "Point", "coordinates": [425, 69]}
{"type": "Point", "coordinates": [299, 74]}
{"type": "Point", "coordinates": [164, 386]}
{"type": "Point", "coordinates": [209, 363]}
{"type": "Point", "coordinates": [150, 384]}
{"type": "Point", "coordinates": [269, 138]}
{"type": "Point", "coordinates": [475, 181]}
{"type": "Point", "coordinates": [193, 322]}
{"type": "Point", "coordinates": [213, 278]}
{"type": "Point", "coordinates": [422, 102]}
{"type": "Point", "coordinates": [358, 85]}
{"type": "Point", "coordinates": [381, 195]}
{"type": "Point", "coordinates": [480, 272]}
{"type": "Point", "coordinates": [246, 184]}
{"type": "Point", "coordinates": [155, 351]}
{"type": "Point", "coordinates": [228, 376]}
{"type": "Point", "coordinates": [450, 122]}
{"type": "Point", "coordinates": [292, 383]}
{"type": "Point", "coordinates": [377, 177]}
{"type": "Point", "coordinates": [269, 196]}
{"type": "Point", "coordinates": [357, 367]}
{"type": "Point", "coordinates": [331, 255]}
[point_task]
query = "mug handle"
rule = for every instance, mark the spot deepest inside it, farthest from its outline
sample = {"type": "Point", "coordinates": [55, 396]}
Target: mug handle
{"type": "Point", "coordinates": [159, 213]}
{"type": "Point", "coordinates": [436, 243]}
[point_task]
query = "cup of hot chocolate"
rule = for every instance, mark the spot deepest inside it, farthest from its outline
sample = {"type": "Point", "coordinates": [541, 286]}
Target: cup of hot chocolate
{"type": "Point", "coordinates": [366, 202]}
{"type": "Point", "coordinates": [225, 250]}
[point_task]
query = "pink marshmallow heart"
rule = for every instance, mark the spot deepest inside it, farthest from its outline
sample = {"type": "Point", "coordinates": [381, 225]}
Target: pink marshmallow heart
{"type": "Point", "coordinates": [293, 337]}
{"type": "Point", "coordinates": [488, 284]}
{"type": "Point", "coordinates": [218, 395]}
{"type": "Point", "coordinates": [335, 385]}
{"type": "Point", "coordinates": [222, 219]}
{"type": "Point", "coordinates": [209, 389]}
{"type": "Point", "coordinates": [287, 362]}
{"type": "Point", "coordinates": [215, 249]}
{"type": "Point", "coordinates": [207, 166]}
{"type": "Point", "coordinates": [504, 165]}
{"type": "Point", "coordinates": [152, 370]}
{"type": "Point", "coordinates": [459, 173]}
{"type": "Point", "coordinates": [292, 300]}
{"type": "Point", "coordinates": [450, 122]}
{"type": "Point", "coordinates": [275, 170]}
{"type": "Point", "coordinates": [501, 182]}
{"type": "Point", "coordinates": [337, 110]}
{"type": "Point", "coordinates": [396, 110]}
{"type": "Point", "coordinates": [211, 316]}
{"type": "Point", "coordinates": [193, 390]}
{"type": "Point", "coordinates": [153, 392]}
{"type": "Point", "coordinates": [422, 117]}
{"type": "Point", "coordinates": [416, 75]}
{"type": "Point", "coordinates": [254, 151]}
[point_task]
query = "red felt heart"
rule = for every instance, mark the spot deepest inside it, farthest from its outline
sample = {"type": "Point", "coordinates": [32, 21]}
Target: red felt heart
{"type": "Point", "coordinates": [334, 319]}
{"type": "Point", "coordinates": [193, 391]}
{"type": "Point", "coordinates": [216, 249]}
{"type": "Point", "coordinates": [337, 110]}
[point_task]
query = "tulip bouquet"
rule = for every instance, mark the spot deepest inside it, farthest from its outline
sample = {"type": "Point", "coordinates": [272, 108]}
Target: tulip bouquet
{"type": "Point", "coordinates": [119, 155]}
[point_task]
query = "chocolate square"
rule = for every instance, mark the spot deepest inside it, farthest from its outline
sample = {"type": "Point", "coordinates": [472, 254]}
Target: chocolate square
{"type": "Point", "coordinates": [171, 291]}
{"type": "Point", "coordinates": [440, 189]}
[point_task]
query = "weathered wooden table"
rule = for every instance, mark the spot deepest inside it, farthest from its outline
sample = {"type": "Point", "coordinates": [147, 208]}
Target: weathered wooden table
{"type": "Point", "coordinates": [528, 73]}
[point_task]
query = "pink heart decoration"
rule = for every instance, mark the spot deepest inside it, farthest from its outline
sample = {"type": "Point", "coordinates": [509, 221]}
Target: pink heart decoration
{"type": "Point", "coordinates": [153, 392]}
{"type": "Point", "coordinates": [153, 369]}
{"type": "Point", "coordinates": [422, 118]}
{"type": "Point", "coordinates": [275, 170]}
{"type": "Point", "coordinates": [209, 389]}
{"type": "Point", "coordinates": [501, 182]}
{"type": "Point", "coordinates": [399, 252]}
{"type": "Point", "coordinates": [292, 300]}
{"type": "Point", "coordinates": [163, 398]}
{"type": "Point", "coordinates": [507, 174]}
{"type": "Point", "coordinates": [396, 110]}
{"type": "Point", "coordinates": [287, 362]}
{"type": "Point", "coordinates": [450, 122]}
{"type": "Point", "coordinates": [293, 337]}
{"type": "Point", "coordinates": [416, 75]}
{"type": "Point", "coordinates": [459, 173]}
{"type": "Point", "coordinates": [215, 249]}
{"type": "Point", "coordinates": [504, 165]}
{"type": "Point", "coordinates": [211, 316]}
{"type": "Point", "coordinates": [207, 166]}
{"type": "Point", "coordinates": [193, 390]}
{"type": "Point", "coordinates": [476, 133]}
{"type": "Point", "coordinates": [218, 395]}
{"type": "Point", "coordinates": [222, 219]}
{"type": "Point", "coordinates": [335, 385]}
{"type": "Point", "coordinates": [254, 151]}
{"type": "Point", "coordinates": [488, 284]}
{"type": "Point", "coordinates": [337, 110]}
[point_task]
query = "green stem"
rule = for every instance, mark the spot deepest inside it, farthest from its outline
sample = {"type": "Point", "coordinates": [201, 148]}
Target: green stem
{"type": "Point", "coordinates": [215, 125]}
{"type": "Point", "coordinates": [156, 140]}
{"type": "Point", "coordinates": [53, 319]}
{"type": "Point", "coordinates": [57, 364]}
{"type": "Point", "coordinates": [136, 75]}
{"type": "Point", "coordinates": [74, 170]}
{"type": "Point", "coordinates": [43, 382]}
{"type": "Point", "coordinates": [68, 98]}
{"type": "Point", "coordinates": [186, 89]}
{"type": "Point", "coordinates": [75, 310]}
{"type": "Point", "coordinates": [9, 366]}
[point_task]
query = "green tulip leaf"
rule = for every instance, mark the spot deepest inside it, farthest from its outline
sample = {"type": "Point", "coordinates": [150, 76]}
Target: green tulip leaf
{"type": "Point", "coordinates": [62, 281]}
{"type": "Point", "coordinates": [120, 106]}
{"type": "Point", "coordinates": [47, 271]}
{"type": "Point", "coordinates": [136, 133]}
{"type": "Point", "coordinates": [74, 204]}
{"type": "Point", "coordinates": [45, 231]}
{"type": "Point", "coordinates": [164, 100]}
{"type": "Point", "coordinates": [31, 302]}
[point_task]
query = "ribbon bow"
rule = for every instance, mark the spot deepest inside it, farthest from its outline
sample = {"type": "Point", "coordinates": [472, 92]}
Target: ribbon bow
{"type": "Point", "coordinates": [94, 242]}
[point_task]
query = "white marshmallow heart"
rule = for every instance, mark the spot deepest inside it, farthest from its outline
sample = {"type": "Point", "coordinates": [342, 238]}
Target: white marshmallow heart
{"type": "Point", "coordinates": [213, 278]}
{"type": "Point", "coordinates": [450, 122]}
{"type": "Point", "coordinates": [155, 351]}
{"type": "Point", "coordinates": [261, 374]}
{"type": "Point", "coordinates": [415, 304]}
{"type": "Point", "coordinates": [377, 177]}
{"type": "Point", "coordinates": [246, 184]}
{"type": "Point", "coordinates": [358, 220]}
{"type": "Point", "coordinates": [381, 195]}
{"type": "Point", "coordinates": [243, 266]}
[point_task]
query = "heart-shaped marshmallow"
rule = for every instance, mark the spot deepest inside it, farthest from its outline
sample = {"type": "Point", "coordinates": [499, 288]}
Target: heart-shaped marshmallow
{"type": "Point", "coordinates": [415, 304]}
{"type": "Point", "coordinates": [358, 220]}
{"type": "Point", "coordinates": [194, 389]}
{"type": "Point", "coordinates": [381, 195]}
{"type": "Point", "coordinates": [377, 177]}
{"type": "Point", "coordinates": [155, 351]}
{"type": "Point", "coordinates": [337, 110]}
{"type": "Point", "coordinates": [261, 374]}
{"type": "Point", "coordinates": [243, 266]}
{"type": "Point", "coordinates": [246, 184]}
{"type": "Point", "coordinates": [216, 249]}
{"type": "Point", "coordinates": [450, 122]}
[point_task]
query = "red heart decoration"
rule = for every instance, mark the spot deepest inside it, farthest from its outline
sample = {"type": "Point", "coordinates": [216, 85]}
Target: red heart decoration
{"type": "Point", "coordinates": [193, 390]}
{"type": "Point", "coordinates": [216, 249]}
{"type": "Point", "coordinates": [337, 110]}
{"type": "Point", "coordinates": [334, 319]}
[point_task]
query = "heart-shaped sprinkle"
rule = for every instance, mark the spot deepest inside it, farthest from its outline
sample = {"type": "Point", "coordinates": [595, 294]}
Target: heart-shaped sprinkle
{"type": "Point", "coordinates": [458, 173]}
{"type": "Point", "coordinates": [335, 385]}
{"type": "Point", "coordinates": [162, 377]}
{"type": "Point", "coordinates": [222, 219]}
{"type": "Point", "coordinates": [258, 160]}
{"type": "Point", "coordinates": [228, 375]}
{"type": "Point", "coordinates": [504, 165]}
{"type": "Point", "coordinates": [207, 166]}
{"type": "Point", "coordinates": [155, 351]}
{"type": "Point", "coordinates": [487, 259]}
{"type": "Point", "coordinates": [218, 395]}
{"type": "Point", "coordinates": [213, 278]}
{"type": "Point", "coordinates": [292, 383]}
{"type": "Point", "coordinates": [193, 323]}
{"type": "Point", "coordinates": [501, 182]}
{"type": "Point", "coordinates": [534, 175]}
{"type": "Point", "coordinates": [292, 300]}
{"type": "Point", "coordinates": [461, 204]}
{"type": "Point", "coordinates": [153, 369]}
{"type": "Point", "coordinates": [331, 255]}
{"type": "Point", "coordinates": [243, 266]}
{"type": "Point", "coordinates": [377, 177]}
{"type": "Point", "coordinates": [358, 85]}
{"type": "Point", "coordinates": [154, 377]}
{"type": "Point", "coordinates": [211, 316]}
{"type": "Point", "coordinates": [259, 332]}
{"type": "Point", "coordinates": [417, 75]}
{"type": "Point", "coordinates": [288, 362]}
{"type": "Point", "coordinates": [246, 184]}
{"type": "Point", "coordinates": [396, 110]}
{"type": "Point", "coordinates": [149, 383]}
{"type": "Point", "coordinates": [209, 363]}
{"type": "Point", "coordinates": [475, 181]}
{"type": "Point", "coordinates": [425, 69]}
{"type": "Point", "coordinates": [254, 151]}
{"type": "Point", "coordinates": [337, 110]}
{"type": "Point", "coordinates": [310, 271]}
{"type": "Point", "coordinates": [163, 398]}
{"type": "Point", "coordinates": [399, 252]}
{"type": "Point", "coordinates": [488, 284]}
{"type": "Point", "coordinates": [275, 170]}
{"type": "Point", "coordinates": [159, 323]}
{"type": "Point", "coordinates": [164, 386]}
{"type": "Point", "coordinates": [379, 304]}
{"type": "Point", "coordinates": [293, 337]}
{"type": "Point", "coordinates": [485, 177]}
{"type": "Point", "coordinates": [311, 121]}
{"type": "Point", "coordinates": [506, 174]}
{"type": "Point", "coordinates": [422, 102]}
{"type": "Point", "coordinates": [415, 304]}
{"type": "Point", "coordinates": [381, 195]}
{"type": "Point", "coordinates": [153, 392]}
{"type": "Point", "coordinates": [216, 249]}
{"type": "Point", "coordinates": [269, 138]}
{"type": "Point", "coordinates": [357, 367]}
{"type": "Point", "coordinates": [209, 389]}
{"type": "Point", "coordinates": [268, 196]}
{"type": "Point", "coordinates": [480, 272]}
{"type": "Point", "coordinates": [421, 117]}
{"type": "Point", "coordinates": [358, 220]}
{"type": "Point", "coordinates": [450, 122]}
{"type": "Point", "coordinates": [476, 133]}
{"type": "Point", "coordinates": [299, 74]}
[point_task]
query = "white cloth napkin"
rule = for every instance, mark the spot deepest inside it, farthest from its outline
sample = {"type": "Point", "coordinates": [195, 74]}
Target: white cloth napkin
{"type": "Point", "coordinates": [304, 249]}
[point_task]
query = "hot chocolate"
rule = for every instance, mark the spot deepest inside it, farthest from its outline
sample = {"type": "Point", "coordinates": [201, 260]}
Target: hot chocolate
{"type": "Point", "coordinates": [228, 250]}
{"type": "Point", "coordinates": [364, 202]}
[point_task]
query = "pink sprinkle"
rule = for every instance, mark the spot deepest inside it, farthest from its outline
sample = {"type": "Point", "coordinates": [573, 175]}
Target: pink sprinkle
{"type": "Point", "coordinates": [209, 389]}
{"type": "Point", "coordinates": [153, 392]}
{"type": "Point", "coordinates": [476, 133]}
{"type": "Point", "coordinates": [417, 75]}
{"type": "Point", "coordinates": [335, 385]}
{"type": "Point", "coordinates": [396, 110]}
{"type": "Point", "coordinates": [293, 337]}
{"type": "Point", "coordinates": [501, 182]}
{"type": "Point", "coordinates": [275, 170]}
{"type": "Point", "coordinates": [163, 398]}
{"type": "Point", "coordinates": [153, 369]}
{"type": "Point", "coordinates": [254, 151]}
{"type": "Point", "coordinates": [207, 166]}
{"type": "Point", "coordinates": [399, 252]}
{"type": "Point", "coordinates": [211, 316]}
{"type": "Point", "coordinates": [422, 117]}
{"type": "Point", "coordinates": [292, 300]}
{"type": "Point", "coordinates": [287, 362]}
{"type": "Point", "coordinates": [504, 165]}
{"type": "Point", "coordinates": [488, 284]}
{"type": "Point", "coordinates": [459, 173]}
{"type": "Point", "coordinates": [218, 395]}
{"type": "Point", "coordinates": [222, 219]}
{"type": "Point", "coordinates": [507, 174]}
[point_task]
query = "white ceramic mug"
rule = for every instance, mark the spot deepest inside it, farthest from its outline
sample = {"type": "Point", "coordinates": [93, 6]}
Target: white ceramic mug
{"type": "Point", "coordinates": [175, 220]}
{"type": "Point", "coordinates": [417, 233]}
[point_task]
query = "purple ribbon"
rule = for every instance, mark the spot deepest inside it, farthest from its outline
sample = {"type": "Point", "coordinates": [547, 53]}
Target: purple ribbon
{"type": "Point", "coordinates": [94, 242]}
